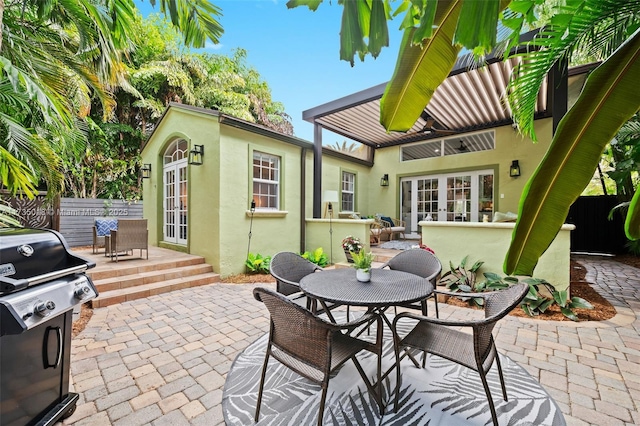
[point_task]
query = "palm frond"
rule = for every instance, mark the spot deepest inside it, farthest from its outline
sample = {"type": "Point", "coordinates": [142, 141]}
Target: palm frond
{"type": "Point", "coordinates": [567, 31]}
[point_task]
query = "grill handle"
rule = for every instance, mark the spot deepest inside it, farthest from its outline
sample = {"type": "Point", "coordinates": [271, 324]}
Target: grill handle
{"type": "Point", "coordinates": [39, 279]}
{"type": "Point", "coordinates": [45, 348]}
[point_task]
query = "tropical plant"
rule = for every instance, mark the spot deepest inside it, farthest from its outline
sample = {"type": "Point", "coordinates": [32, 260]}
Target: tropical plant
{"type": "Point", "coordinates": [54, 58]}
{"type": "Point", "coordinates": [257, 263]}
{"type": "Point", "coordinates": [351, 244]}
{"type": "Point", "coordinates": [536, 303]}
{"type": "Point", "coordinates": [462, 278]}
{"type": "Point", "coordinates": [435, 31]}
{"type": "Point", "coordinates": [362, 260]}
{"type": "Point", "coordinates": [317, 256]}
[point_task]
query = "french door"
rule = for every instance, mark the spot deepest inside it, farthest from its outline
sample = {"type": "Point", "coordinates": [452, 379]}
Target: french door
{"type": "Point", "coordinates": [175, 203]}
{"type": "Point", "coordinates": [460, 197]}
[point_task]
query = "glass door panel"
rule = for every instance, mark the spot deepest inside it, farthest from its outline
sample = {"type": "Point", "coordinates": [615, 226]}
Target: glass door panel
{"type": "Point", "coordinates": [169, 225]}
{"type": "Point", "coordinates": [464, 197]}
{"type": "Point", "coordinates": [427, 199]}
{"type": "Point", "coordinates": [485, 197]}
{"type": "Point", "coordinates": [175, 203]}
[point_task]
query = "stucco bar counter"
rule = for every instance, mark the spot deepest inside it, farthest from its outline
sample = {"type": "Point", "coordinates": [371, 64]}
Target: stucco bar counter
{"type": "Point", "coordinates": [489, 242]}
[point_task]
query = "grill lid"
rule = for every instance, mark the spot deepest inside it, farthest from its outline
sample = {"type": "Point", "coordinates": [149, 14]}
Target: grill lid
{"type": "Point", "coordinates": [32, 256]}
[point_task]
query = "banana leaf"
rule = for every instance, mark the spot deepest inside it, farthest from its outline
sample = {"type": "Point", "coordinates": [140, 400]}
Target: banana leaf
{"type": "Point", "coordinates": [610, 97]}
{"type": "Point", "coordinates": [632, 222]}
{"type": "Point", "coordinates": [420, 69]}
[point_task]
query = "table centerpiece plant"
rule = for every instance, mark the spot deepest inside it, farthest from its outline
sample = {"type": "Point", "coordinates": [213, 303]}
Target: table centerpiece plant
{"type": "Point", "coordinates": [362, 262]}
{"type": "Point", "coordinates": [351, 244]}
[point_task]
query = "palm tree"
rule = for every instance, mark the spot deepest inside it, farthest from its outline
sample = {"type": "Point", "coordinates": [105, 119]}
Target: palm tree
{"type": "Point", "coordinates": [57, 56]}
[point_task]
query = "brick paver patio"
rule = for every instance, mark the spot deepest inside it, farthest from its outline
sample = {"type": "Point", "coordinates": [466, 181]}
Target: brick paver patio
{"type": "Point", "coordinates": [163, 360]}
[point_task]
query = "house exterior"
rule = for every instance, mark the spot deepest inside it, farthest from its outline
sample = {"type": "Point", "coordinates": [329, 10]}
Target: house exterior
{"type": "Point", "coordinates": [435, 172]}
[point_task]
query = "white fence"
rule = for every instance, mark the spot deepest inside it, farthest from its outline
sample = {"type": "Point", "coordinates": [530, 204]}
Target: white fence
{"type": "Point", "coordinates": [76, 216]}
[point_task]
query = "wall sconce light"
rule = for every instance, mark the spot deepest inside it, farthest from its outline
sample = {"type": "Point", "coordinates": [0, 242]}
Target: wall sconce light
{"type": "Point", "coordinates": [514, 170]}
{"type": "Point", "coordinates": [196, 154]}
{"type": "Point", "coordinates": [384, 181]}
{"type": "Point", "coordinates": [253, 206]}
{"type": "Point", "coordinates": [145, 171]}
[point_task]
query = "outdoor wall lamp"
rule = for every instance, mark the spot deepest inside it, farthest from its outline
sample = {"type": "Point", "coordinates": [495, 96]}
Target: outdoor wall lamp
{"type": "Point", "coordinates": [145, 171]}
{"type": "Point", "coordinates": [253, 206]}
{"type": "Point", "coordinates": [385, 180]}
{"type": "Point", "coordinates": [196, 154]}
{"type": "Point", "coordinates": [514, 170]}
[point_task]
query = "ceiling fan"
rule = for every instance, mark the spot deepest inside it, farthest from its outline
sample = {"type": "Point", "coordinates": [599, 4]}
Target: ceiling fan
{"type": "Point", "coordinates": [432, 126]}
{"type": "Point", "coordinates": [462, 147]}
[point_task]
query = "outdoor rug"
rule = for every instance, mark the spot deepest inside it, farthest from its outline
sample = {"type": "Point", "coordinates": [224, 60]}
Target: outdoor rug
{"type": "Point", "coordinates": [441, 394]}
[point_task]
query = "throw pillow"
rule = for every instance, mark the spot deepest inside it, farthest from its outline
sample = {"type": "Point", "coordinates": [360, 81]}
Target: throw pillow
{"type": "Point", "coordinates": [387, 219]}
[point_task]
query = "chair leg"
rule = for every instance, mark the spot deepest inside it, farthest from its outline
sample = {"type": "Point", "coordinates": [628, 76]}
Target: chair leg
{"type": "Point", "coordinates": [264, 373]}
{"type": "Point", "coordinates": [325, 386]}
{"type": "Point", "coordinates": [485, 384]}
{"type": "Point", "coordinates": [504, 388]}
{"type": "Point", "coordinates": [396, 350]}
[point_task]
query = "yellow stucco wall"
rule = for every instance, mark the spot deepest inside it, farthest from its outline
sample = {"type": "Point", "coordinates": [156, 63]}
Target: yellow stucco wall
{"type": "Point", "coordinates": [319, 235]}
{"type": "Point", "coordinates": [488, 242]}
{"type": "Point", "coordinates": [220, 191]}
{"type": "Point", "coordinates": [507, 190]}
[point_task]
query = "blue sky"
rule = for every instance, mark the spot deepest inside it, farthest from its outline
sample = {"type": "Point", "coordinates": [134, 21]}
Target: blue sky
{"type": "Point", "coordinates": [296, 51]}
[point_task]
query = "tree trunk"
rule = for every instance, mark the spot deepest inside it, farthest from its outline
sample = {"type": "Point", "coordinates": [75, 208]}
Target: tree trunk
{"type": "Point", "coordinates": [1, 15]}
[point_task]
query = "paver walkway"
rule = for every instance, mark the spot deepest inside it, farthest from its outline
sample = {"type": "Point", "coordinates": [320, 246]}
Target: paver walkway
{"type": "Point", "coordinates": [163, 360]}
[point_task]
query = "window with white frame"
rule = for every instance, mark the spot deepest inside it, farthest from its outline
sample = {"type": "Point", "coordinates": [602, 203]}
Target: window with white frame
{"type": "Point", "coordinates": [266, 180]}
{"type": "Point", "coordinates": [348, 191]}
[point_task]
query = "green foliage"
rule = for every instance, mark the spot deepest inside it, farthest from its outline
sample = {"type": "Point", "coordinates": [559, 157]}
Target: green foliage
{"type": "Point", "coordinates": [633, 247]}
{"type": "Point", "coordinates": [536, 303]}
{"type": "Point", "coordinates": [258, 264]}
{"type": "Point", "coordinates": [317, 256]}
{"type": "Point", "coordinates": [362, 260]}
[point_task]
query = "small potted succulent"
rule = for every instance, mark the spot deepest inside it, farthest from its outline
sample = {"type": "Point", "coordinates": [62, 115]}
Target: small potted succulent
{"type": "Point", "coordinates": [362, 262]}
{"type": "Point", "coordinates": [351, 244]}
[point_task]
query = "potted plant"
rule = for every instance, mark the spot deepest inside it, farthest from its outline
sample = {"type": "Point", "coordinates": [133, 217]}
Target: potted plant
{"type": "Point", "coordinates": [362, 262]}
{"type": "Point", "coordinates": [351, 244]}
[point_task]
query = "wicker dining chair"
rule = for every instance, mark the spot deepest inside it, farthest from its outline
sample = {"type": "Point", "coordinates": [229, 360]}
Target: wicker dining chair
{"type": "Point", "coordinates": [422, 263]}
{"type": "Point", "coordinates": [313, 347]}
{"type": "Point", "coordinates": [288, 269]}
{"type": "Point", "coordinates": [475, 350]}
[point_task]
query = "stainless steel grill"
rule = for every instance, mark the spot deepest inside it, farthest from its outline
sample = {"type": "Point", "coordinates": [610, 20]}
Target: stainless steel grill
{"type": "Point", "coordinates": [41, 282]}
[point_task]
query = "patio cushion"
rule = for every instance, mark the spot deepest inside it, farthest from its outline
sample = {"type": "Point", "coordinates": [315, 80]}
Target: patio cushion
{"type": "Point", "coordinates": [387, 219]}
{"type": "Point", "coordinates": [105, 226]}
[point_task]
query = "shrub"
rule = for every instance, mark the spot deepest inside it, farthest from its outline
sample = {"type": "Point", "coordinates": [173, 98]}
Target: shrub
{"type": "Point", "coordinates": [257, 264]}
{"type": "Point", "coordinates": [535, 303]}
{"type": "Point", "coordinates": [317, 256]}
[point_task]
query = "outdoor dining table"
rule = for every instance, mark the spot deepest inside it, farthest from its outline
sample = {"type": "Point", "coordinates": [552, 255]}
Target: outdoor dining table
{"type": "Point", "coordinates": [385, 289]}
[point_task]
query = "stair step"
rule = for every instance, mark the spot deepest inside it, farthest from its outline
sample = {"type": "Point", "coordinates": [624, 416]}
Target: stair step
{"type": "Point", "coordinates": [156, 275]}
{"type": "Point", "coordinates": [118, 269]}
{"type": "Point", "coordinates": [145, 290]}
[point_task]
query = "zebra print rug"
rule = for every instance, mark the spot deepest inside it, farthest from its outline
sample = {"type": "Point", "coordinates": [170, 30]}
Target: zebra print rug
{"type": "Point", "coordinates": [443, 393]}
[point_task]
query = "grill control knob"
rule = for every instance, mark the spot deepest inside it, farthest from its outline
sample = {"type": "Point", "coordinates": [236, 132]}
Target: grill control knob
{"type": "Point", "coordinates": [82, 292]}
{"type": "Point", "coordinates": [44, 308]}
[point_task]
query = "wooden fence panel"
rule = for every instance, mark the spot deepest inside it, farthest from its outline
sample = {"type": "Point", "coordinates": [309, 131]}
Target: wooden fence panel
{"type": "Point", "coordinates": [594, 232]}
{"type": "Point", "coordinates": [76, 217]}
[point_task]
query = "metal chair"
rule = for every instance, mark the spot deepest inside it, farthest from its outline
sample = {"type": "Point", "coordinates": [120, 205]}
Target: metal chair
{"type": "Point", "coordinates": [313, 347]}
{"type": "Point", "coordinates": [443, 338]}
{"type": "Point", "coordinates": [422, 263]}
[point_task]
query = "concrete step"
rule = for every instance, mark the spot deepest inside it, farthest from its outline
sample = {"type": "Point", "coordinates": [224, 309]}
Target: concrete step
{"type": "Point", "coordinates": [153, 276]}
{"type": "Point", "coordinates": [119, 269]}
{"type": "Point", "coordinates": [145, 290]}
